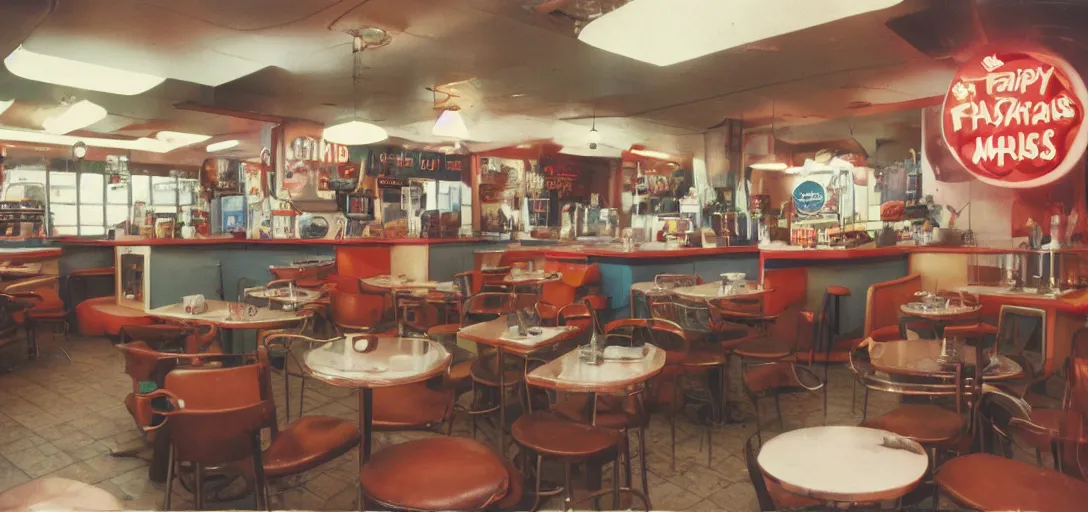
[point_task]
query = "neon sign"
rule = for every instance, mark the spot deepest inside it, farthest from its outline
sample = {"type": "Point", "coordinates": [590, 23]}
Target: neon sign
{"type": "Point", "coordinates": [1015, 119]}
{"type": "Point", "coordinates": [809, 198]}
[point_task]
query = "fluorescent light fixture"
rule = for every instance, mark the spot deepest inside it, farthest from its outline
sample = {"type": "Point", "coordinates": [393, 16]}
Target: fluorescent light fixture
{"type": "Point", "coordinates": [5, 104]}
{"type": "Point", "coordinates": [81, 75]}
{"type": "Point", "coordinates": [224, 145]}
{"type": "Point", "coordinates": [143, 144]}
{"type": "Point", "coordinates": [78, 115]}
{"type": "Point", "coordinates": [652, 154]}
{"type": "Point", "coordinates": [686, 29]}
{"type": "Point", "coordinates": [355, 133]}
{"type": "Point", "coordinates": [179, 139]}
{"type": "Point", "coordinates": [450, 124]}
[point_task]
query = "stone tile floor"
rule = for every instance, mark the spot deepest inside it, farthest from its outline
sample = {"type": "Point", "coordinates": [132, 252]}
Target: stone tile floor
{"type": "Point", "coordinates": [62, 419]}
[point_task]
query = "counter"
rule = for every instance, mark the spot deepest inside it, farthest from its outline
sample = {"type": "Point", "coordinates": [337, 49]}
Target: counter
{"type": "Point", "coordinates": [620, 269]}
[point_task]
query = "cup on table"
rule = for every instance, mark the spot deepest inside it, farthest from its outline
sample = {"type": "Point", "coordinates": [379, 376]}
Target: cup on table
{"type": "Point", "coordinates": [241, 311]}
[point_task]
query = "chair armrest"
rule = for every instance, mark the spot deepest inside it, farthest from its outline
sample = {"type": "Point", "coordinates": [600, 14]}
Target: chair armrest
{"type": "Point", "coordinates": [144, 409]}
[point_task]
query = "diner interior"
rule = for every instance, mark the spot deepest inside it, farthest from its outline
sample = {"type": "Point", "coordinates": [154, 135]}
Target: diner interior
{"type": "Point", "coordinates": [543, 255]}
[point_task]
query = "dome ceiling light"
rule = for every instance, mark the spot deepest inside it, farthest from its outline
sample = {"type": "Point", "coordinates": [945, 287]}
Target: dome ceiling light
{"type": "Point", "coordinates": [354, 131]}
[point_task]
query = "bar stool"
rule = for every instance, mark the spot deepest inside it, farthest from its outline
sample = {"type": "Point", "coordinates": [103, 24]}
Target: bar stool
{"type": "Point", "coordinates": [825, 340]}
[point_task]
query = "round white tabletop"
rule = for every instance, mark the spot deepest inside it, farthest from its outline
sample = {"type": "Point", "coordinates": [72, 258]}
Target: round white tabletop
{"type": "Point", "coordinates": [398, 283]}
{"type": "Point", "coordinates": [713, 290]}
{"type": "Point", "coordinates": [284, 295]}
{"type": "Point", "coordinates": [530, 278]}
{"type": "Point", "coordinates": [842, 464]}
{"type": "Point", "coordinates": [360, 361]}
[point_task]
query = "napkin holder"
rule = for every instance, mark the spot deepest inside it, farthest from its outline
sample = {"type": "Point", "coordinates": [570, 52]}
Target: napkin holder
{"type": "Point", "coordinates": [194, 304]}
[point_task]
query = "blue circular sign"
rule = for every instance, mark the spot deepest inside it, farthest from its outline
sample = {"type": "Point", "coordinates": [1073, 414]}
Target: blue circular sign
{"type": "Point", "coordinates": [809, 198]}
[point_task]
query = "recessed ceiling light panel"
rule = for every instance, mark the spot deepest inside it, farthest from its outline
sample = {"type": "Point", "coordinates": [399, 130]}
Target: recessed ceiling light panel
{"type": "Point", "coordinates": [81, 75]}
{"type": "Point", "coordinates": [222, 146]}
{"type": "Point", "coordinates": [178, 139]}
{"type": "Point", "coordinates": [665, 32]}
{"type": "Point", "coordinates": [76, 116]}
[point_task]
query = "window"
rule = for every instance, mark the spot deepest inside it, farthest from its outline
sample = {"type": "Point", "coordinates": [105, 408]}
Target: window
{"type": "Point", "coordinates": [88, 202]}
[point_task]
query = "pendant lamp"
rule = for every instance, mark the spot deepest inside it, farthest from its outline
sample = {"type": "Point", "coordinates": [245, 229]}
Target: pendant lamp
{"type": "Point", "coordinates": [353, 131]}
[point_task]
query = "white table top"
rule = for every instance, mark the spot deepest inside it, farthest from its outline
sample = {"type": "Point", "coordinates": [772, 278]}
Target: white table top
{"type": "Point", "coordinates": [713, 290]}
{"type": "Point", "coordinates": [392, 362]}
{"type": "Point", "coordinates": [921, 310]}
{"type": "Point", "coordinates": [398, 283]}
{"type": "Point", "coordinates": [20, 269]}
{"type": "Point", "coordinates": [569, 373]}
{"type": "Point", "coordinates": [218, 313]}
{"type": "Point", "coordinates": [841, 464]}
{"type": "Point", "coordinates": [535, 277]}
{"type": "Point", "coordinates": [497, 334]}
{"type": "Point", "coordinates": [294, 295]}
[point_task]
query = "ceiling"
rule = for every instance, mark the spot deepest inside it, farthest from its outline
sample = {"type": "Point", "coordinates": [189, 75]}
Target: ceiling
{"type": "Point", "coordinates": [518, 73]}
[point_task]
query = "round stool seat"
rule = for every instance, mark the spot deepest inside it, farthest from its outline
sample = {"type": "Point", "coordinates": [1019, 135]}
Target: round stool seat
{"type": "Point", "coordinates": [461, 373]}
{"type": "Point", "coordinates": [551, 435]}
{"type": "Point", "coordinates": [838, 291]}
{"type": "Point", "coordinates": [982, 481]}
{"type": "Point", "coordinates": [439, 473]}
{"type": "Point", "coordinates": [443, 330]}
{"type": "Point", "coordinates": [703, 358]}
{"type": "Point", "coordinates": [765, 348]}
{"type": "Point", "coordinates": [925, 423]}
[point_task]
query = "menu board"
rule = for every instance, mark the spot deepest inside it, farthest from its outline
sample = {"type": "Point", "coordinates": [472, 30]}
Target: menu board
{"type": "Point", "coordinates": [399, 163]}
{"type": "Point", "coordinates": [570, 176]}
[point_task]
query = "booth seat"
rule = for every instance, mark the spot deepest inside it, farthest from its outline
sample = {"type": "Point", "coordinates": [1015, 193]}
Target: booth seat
{"type": "Point", "coordinates": [786, 301]}
{"type": "Point", "coordinates": [580, 282]}
{"type": "Point", "coordinates": [882, 307]}
{"type": "Point", "coordinates": [349, 308]}
{"type": "Point", "coordinates": [101, 316]}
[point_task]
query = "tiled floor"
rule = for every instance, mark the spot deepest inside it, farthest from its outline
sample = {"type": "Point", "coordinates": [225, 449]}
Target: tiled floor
{"type": "Point", "coordinates": [61, 419]}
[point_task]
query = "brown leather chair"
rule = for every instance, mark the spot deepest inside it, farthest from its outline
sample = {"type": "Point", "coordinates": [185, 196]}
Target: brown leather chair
{"type": "Point", "coordinates": [936, 428]}
{"type": "Point", "coordinates": [483, 371]}
{"type": "Point", "coordinates": [217, 428]}
{"type": "Point", "coordinates": [10, 306]}
{"type": "Point", "coordinates": [147, 363]}
{"type": "Point", "coordinates": [47, 308]}
{"type": "Point", "coordinates": [882, 303]}
{"type": "Point", "coordinates": [548, 434]}
{"type": "Point", "coordinates": [1058, 430]}
{"type": "Point", "coordinates": [982, 481]}
{"type": "Point", "coordinates": [440, 473]}
{"type": "Point", "coordinates": [628, 412]}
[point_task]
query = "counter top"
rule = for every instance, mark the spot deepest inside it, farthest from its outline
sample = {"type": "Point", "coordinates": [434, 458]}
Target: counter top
{"type": "Point", "coordinates": [28, 253]}
{"type": "Point", "coordinates": [286, 241]}
{"type": "Point", "coordinates": [617, 252]}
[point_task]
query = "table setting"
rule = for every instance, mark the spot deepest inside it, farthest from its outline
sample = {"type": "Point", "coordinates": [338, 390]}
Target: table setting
{"type": "Point", "coordinates": [731, 284]}
{"type": "Point", "coordinates": [844, 464]}
{"type": "Point", "coordinates": [937, 358]}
